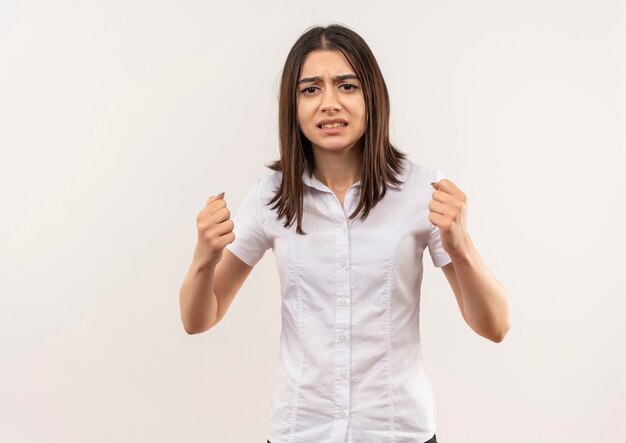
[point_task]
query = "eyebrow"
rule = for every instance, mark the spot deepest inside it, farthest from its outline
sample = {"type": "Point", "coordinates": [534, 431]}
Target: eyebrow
{"type": "Point", "coordinates": [337, 77]}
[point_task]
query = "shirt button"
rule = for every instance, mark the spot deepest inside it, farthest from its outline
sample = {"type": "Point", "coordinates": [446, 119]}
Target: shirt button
{"type": "Point", "coordinates": [344, 374]}
{"type": "Point", "coordinates": [342, 229]}
{"type": "Point", "coordinates": [343, 302]}
{"type": "Point", "coordinates": [343, 263]}
{"type": "Point", "coordinates": [342, 338]}
{"type": "Point", "coordinates": [343, 414]}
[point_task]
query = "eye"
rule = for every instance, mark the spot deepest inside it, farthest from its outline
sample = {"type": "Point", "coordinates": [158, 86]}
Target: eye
{"type": "Point", "coordinates": [348, 87]}
{"type": "Point", "coordinates": [309, 90]}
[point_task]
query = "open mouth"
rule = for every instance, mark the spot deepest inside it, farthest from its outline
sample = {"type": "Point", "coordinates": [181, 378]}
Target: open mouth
{"type": "Point", "coordinates": [333, 125]}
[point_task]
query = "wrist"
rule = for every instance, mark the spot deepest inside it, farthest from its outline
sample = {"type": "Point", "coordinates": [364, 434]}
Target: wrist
{"type": "Point", "coordinates": [204, 262]}
{"type": "Point", "coordinates": [465, 251]}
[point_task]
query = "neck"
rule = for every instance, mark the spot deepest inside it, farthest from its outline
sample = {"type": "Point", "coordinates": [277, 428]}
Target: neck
{"type": "Point", "coordinates": [337, 169]}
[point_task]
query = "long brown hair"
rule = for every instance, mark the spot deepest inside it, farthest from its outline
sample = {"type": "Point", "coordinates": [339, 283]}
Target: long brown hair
{"type": "Point", "coordinates": [380, 163]}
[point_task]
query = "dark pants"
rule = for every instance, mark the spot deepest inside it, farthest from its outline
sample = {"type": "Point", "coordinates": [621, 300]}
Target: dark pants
{"type": "Point", "coordinates": [432, 440]}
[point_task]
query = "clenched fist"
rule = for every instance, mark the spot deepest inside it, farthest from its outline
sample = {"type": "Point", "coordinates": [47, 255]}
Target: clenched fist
{"type": "Point", "coordinates": [448, 211]}
{"type": "Point", "coordinates": [215, 230]}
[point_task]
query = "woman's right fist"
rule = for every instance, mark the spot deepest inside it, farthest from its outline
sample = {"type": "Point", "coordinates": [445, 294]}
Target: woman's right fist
{"type": "Point", "coordinates": [215, 230]}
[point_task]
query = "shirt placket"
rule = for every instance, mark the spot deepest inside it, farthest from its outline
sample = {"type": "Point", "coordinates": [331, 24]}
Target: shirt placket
{"type": "Point", "coordinates": [342, 323]}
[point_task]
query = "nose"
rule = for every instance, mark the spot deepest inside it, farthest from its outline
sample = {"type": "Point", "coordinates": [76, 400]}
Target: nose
{"type": "Point", "coordinates": [329, 101]}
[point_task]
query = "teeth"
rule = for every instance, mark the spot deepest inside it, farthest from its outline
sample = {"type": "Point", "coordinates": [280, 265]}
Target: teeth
{"type": "Point", "coordinates": [333, 125]}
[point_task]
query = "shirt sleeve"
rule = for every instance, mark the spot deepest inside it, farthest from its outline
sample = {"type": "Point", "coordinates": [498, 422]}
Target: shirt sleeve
{"type": "Point", "coordinates": [250, 241]}
{"type": "Point", "coordinates": [439, 256]}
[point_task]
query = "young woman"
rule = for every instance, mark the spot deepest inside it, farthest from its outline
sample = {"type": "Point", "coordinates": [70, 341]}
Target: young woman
{"type": "Point", "coordinates": [348, 218]}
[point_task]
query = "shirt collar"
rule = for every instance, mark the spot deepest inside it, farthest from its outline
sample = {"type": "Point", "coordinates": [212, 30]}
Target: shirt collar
{"type": "Point", "coordinates": [312, 181]}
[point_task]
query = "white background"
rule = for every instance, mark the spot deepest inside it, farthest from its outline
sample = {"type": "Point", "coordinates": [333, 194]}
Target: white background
{"type": "Point", "coordinates": [119, 118]}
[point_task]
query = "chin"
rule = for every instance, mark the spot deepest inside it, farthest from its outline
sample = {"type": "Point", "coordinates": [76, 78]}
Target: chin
{"type": "Point", "coordinates": [335, 145]}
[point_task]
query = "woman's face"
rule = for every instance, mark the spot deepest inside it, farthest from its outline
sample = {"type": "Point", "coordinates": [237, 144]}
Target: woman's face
{"type": "Point", "coordinates": [330, 101]}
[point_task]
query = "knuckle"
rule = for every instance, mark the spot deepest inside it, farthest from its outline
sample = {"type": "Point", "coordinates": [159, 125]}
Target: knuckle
{"type": "Point", "coordinates": [217, 206]}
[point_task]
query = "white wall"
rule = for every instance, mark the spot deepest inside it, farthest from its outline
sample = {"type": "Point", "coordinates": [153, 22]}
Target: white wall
{"type": "Point", "coordinates": [119, 118]}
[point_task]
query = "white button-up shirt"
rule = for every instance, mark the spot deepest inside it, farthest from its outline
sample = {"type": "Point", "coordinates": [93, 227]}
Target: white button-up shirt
{"type": "Point", "coordinates": [350, 365]}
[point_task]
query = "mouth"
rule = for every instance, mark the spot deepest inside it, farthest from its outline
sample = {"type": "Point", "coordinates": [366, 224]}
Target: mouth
{"type": "Point", "coordinates": [332, 128]}
{"type": "Point", "coordinates": [334, 125]}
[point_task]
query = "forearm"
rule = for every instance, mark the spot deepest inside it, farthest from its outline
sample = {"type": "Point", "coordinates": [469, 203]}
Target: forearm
{"type": "Point", "coordinates": [485, 304]}
{"type": "Point", "coordinates": [198, 304]}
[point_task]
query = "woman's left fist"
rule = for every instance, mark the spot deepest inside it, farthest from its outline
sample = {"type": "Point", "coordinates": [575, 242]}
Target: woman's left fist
{"type": "Point", "coordinates": [448, 211]}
